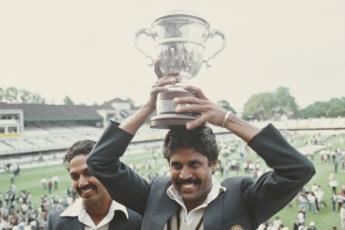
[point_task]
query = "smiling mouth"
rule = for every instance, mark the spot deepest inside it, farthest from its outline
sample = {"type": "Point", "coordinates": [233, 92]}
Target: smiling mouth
{"type": "Point", "coordinates": [191, 185]}
{"type": "Point", "coordinates": [86, 191]}
{"type": "Point", "coordinates": [187, 185]}
{"type": "Point", "coordinates": [180, 182]}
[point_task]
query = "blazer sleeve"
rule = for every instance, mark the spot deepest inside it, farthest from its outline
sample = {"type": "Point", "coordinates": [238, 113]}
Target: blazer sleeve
{"type": "Point", "coordinates": [48, 225]}
{"type": "Point", "coordinates": [275, 189]}
{"type": "Point", "coordinates": [52, 220]}
{"type": "Point", "coordinates": [123, 184]}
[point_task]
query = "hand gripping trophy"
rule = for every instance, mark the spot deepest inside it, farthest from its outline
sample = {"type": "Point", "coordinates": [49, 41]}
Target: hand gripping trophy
{"type": "Point", "coordinates": [179, 39]}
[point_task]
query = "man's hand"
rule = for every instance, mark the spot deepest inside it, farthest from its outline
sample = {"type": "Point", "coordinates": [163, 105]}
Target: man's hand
{"type": "Point", "coordinates": [209, 111]}
{"type": "Point", "coordinates": [160, 86]}
{"type": "Point", "coordinates": [132, 123]}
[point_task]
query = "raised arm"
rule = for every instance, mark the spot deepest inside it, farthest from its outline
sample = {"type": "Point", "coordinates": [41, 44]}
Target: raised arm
{"type": "Point", "coordinates": [134, 122]}
{"type": "Point", "coordinates": [123, 184]}
{"type": "Point", "coordinates": [213, 114]}
{"type": "Point", "coordinates": [273, 190]}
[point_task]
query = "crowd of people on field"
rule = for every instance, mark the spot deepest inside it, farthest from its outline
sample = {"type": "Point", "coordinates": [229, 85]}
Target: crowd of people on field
{"type": "Point", "coordinates": [17, 210]}
{"type": "Point", "coordinates": [50, 184]}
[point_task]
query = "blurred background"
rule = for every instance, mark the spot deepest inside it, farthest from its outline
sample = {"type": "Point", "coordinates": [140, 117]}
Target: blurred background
{"type": "Point", "coordinates": [68, 67]}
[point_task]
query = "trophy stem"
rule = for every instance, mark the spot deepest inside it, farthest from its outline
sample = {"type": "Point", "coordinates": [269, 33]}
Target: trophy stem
{"type": "Point", "coordinates": [166, 116]}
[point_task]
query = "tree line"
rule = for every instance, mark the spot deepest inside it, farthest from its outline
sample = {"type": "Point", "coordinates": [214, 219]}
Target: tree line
{"type": "Point", "coordinates": [261, 106]}
{"type": "Point", "coordinates": [280, 103]}
{"type": "Point", "coordinates": [14, 95]}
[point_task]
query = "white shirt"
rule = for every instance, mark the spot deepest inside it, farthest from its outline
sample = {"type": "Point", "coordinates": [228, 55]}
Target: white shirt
{"type": "Point", "coordinates": [300, 218]}
{"type": "Point", "coordinates": [77, 209]}
{"type": "Point", "coordinates": [190, 220]}
{"type": "Point", "coordinates": [333, 183]}
{"type": "Point", "coordinates": [342, 213]}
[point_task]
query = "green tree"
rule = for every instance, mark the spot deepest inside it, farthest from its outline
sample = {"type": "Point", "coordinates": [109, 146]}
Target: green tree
{"type": "Point", "coordinates": [14, 95]}
{"type": "Point", "coordinates": [284, 103]}
{"type": "Point", "coordinates": [270, 105]}
{"type": "Point", "coordinates": [68, 101]}
{"type": "Point", "coordinates": [335, 107]}
{"type": "Point", "coordinates": [259, 107]}
{"type": "Point", "coordinates": [37, 99]}
{"type": "Point", "coordinates": [131, 102]}
{"type": "Point", "coordinates": [226, 105]}
{"type": "Point", "coordinates": [317, 109]}
{"type": "Point", "coordinates": [25, 96]}
{"type": "Point", "coordinates": [2, 94]}
{"type": "Point", "coordinates": [11, 95]}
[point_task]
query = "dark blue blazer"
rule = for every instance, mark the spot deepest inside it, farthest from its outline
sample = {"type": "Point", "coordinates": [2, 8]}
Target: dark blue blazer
{"type": "Point", "coordinates": [245, 204]}
{"type": "Point", "coordinates": [119, 222]}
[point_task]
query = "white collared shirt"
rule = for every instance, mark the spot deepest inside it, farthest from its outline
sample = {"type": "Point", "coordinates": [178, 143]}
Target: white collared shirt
{"type": "Point", "coordinates": [190, 220]}
{"type": "Point", "coordinates": [77, 209]}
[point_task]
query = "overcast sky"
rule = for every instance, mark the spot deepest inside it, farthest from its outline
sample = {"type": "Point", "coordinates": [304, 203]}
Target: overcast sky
{"type": "Point", "coordinates": [84, 49]}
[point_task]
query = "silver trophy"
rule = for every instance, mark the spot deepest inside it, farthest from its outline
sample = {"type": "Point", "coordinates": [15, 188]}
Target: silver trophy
{"type": "Point", "coordinates": [179, 40]}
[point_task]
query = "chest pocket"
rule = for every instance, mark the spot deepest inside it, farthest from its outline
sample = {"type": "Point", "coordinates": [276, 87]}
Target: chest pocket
{"type": "Point", "coordinates": [238, 224]}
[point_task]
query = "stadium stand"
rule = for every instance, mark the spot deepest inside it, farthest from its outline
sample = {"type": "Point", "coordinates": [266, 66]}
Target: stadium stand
{"type": "Point", "coordinates": [51, 128]}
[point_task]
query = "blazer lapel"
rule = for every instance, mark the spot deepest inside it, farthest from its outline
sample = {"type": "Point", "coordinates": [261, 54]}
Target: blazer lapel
{"type": "Point", "coordinates": [117, 225]}
{"type": "Point", "coordinates": [166, 208]}
{"type": "Point", "coordinates": [225, 208]}
{"type": "Point", "coordinates": [74, 224]}
{"type": "Point", "coordinates": [119, 221]}
{"type": "Point", "coordinates": [213, 213]}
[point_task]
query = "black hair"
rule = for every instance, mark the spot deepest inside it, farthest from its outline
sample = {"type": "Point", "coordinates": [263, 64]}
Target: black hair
{"type": "Point", "coordinates": [83, 147]}
{"type": "Point", "coordinates": [201, 139]}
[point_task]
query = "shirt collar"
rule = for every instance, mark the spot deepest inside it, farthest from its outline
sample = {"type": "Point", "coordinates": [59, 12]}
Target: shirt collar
{"type": "Point", "coordinates": [77, 208]}
{"type": "Point", "coordinates": [216, 189]}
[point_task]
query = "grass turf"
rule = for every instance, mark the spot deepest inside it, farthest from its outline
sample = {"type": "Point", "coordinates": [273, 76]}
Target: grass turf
{"type": "Point", "coordinates": [29, 180]}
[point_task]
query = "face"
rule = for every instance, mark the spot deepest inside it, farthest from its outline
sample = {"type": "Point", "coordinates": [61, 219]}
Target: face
{"type": "Point", "coordinates": [191, 175]}
{"type": "Point", "coordinates": [87, 186]}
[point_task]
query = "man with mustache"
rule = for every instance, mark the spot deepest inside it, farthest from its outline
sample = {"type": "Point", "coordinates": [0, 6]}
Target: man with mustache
{"type": "Point", "coordinates": [191, 198]}
{"type": "Point", "coordinates": [95, 209]}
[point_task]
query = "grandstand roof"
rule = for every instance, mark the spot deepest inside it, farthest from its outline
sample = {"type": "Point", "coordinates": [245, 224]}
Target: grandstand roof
{"type": "Point", "coordinates": [120, 100]}
{"type": "Point", "coordinates": [44, 112]}
{"type": "Point", "coordinates": [116, 99]}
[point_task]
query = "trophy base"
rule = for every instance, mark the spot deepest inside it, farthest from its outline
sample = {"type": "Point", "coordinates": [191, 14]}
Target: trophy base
{"type": "Point", "coordinates": [166, 116]}
{"type": "Point", "coordinates": [166, 121]}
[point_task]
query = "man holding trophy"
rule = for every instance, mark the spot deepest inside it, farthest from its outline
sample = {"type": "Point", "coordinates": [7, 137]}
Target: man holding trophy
{"type": "Point", "coordinates": [191, 198]}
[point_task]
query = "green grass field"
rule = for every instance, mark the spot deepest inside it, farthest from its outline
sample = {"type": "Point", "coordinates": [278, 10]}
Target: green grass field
{"type": "Point", "coordinates": [29, 179]}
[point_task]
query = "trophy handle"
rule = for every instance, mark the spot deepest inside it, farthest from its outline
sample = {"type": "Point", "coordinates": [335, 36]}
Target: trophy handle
{"type": "Point", "coordinates": [212, 34]}
{"type": "Point", "coordinates": [147, 33]}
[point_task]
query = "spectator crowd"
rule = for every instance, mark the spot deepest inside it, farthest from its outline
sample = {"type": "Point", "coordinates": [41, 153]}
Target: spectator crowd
{"type": "Point", "coordinates": [17, 210]}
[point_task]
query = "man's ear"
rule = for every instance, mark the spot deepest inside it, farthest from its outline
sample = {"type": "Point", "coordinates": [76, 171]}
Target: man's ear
{"type": "Point", "coordinates": [214, 166]}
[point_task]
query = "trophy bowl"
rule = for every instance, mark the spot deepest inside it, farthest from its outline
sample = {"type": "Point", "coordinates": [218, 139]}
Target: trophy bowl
{"type": "Point", "coordinates": [179, 40]}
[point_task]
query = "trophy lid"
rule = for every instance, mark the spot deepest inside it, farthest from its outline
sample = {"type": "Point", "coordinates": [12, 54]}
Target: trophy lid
{"type": "Point", "coordinates": [183, 13]}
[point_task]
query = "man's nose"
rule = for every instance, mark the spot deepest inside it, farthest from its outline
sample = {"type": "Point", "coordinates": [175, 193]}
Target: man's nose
{"type": "Point", "coordinates": [82, 181]}
{"type": "Point", "coordinates": [185, 173]}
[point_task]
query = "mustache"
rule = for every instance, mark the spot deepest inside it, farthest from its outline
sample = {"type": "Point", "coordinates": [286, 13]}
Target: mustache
{"type": "Point", "coordinates": [188, 181]}
{"type": "Point", "coordinates": [86, 187]}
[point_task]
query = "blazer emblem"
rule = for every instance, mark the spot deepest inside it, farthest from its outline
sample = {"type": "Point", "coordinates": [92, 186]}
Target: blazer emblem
{"type": "Point", "coordinates": [236, 227]}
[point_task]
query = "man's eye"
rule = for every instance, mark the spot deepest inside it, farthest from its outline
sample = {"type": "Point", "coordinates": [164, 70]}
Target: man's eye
{"type": "Point", "coordinates": [194, 164]}
{"type": "Point", "coordinates": [74, 177]}
{"type": "Point", "coordinates": [176, 166]}
{"type": "Point", "coordinates": [88, 174]}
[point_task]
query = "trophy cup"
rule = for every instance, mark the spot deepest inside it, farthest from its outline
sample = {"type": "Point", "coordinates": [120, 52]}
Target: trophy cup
{"type": "Point", "coordinates": [179, 40]}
